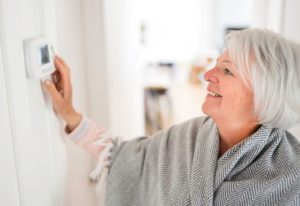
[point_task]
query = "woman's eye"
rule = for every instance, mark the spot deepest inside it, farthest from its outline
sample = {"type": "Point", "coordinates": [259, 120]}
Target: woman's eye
{"type": "Point", "coordinates": [227, 71]}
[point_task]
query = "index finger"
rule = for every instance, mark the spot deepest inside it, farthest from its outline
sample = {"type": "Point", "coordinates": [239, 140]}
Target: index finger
{"type": "Point", "coordinates": [64, 74]}
{"type": "Point", "coordinates": [61, 60]}
{"type": "Point", "coordinates": [61, 68]}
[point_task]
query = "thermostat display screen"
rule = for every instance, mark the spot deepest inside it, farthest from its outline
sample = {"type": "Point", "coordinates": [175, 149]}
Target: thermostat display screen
{"type": "Point", "coordinates": [44, 55]}
{"type": "Point", "coordinates": [39, 55]}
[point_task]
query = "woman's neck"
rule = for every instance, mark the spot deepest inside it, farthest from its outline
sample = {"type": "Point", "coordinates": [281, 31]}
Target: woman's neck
{"type": "Point", "coordinates": [233, 133]}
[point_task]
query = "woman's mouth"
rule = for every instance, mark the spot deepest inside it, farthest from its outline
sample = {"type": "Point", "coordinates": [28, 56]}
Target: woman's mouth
{"type": "Point", "coordinates": [214, 94]}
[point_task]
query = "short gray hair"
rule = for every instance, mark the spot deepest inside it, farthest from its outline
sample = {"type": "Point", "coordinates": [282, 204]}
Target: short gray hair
{"type": "Point", "coordinates": [270, 65]}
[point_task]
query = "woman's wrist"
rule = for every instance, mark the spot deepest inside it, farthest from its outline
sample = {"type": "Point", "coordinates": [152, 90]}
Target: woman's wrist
{"type": "Point", "coordinates": [73, 120]}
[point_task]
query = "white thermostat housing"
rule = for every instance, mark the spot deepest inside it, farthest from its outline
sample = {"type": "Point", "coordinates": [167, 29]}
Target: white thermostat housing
{"type": "Point", "coordinates": [39, 56]}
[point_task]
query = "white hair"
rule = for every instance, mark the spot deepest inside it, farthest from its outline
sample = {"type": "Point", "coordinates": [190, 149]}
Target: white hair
{"type": "Point", "coordinates": [270, 65]}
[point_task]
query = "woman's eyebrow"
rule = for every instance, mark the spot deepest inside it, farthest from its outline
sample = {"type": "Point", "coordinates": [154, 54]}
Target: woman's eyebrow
{"type": "Point", "coordinates": [224, 61]}
{"type": "Point", "coordinates": [227, 61]}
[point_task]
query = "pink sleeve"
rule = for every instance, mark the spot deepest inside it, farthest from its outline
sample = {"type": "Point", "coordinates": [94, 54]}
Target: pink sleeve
{"type": "Point", "coordinates": [91, 138]}
{"type": "Point", "coordinates": [99, 144]}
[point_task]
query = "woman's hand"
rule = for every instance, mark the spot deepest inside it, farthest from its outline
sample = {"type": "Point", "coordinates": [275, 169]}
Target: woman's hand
{"type": "Point", "coordinates": [60, 90]}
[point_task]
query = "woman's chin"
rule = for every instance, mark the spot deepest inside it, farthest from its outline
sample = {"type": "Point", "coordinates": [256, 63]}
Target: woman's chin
{"type": "Point", "coordinates": [204, 110]}
{"type": "Point", "coordinates": [209, 109]}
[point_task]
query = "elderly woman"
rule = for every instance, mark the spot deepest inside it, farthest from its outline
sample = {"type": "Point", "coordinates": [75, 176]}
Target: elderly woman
{"type": "Point", "coordinates": [239, 154]}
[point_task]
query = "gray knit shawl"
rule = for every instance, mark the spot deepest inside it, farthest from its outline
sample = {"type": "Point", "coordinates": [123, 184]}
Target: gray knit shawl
{"type": "Point", "coordinates": [180, 166]}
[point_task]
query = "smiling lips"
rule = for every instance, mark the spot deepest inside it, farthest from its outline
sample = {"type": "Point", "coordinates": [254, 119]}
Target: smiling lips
{"type": "Point", "coordinates": [214, 94]}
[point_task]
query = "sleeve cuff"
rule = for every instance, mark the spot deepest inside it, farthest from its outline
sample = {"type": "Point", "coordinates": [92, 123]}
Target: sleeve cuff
{"type": "Point", "coordinates": [79, 132]}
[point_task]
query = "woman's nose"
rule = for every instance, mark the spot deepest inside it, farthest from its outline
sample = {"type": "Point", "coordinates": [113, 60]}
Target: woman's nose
{"type": "Point", "coordinates": [211, 76]}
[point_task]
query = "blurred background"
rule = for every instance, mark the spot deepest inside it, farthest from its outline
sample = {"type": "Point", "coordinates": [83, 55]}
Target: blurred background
{"type": "Point", "coordinates": [137, 67]}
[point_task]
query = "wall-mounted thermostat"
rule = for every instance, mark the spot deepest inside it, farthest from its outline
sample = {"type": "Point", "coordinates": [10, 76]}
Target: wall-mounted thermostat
{"type": "Point", "coordinates": [39, 56]}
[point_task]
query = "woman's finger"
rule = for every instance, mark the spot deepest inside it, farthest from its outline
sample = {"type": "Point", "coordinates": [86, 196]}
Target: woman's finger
{"type": "Point", "coordinates": [64, 76]}
{"type": "Point", "coordinates": [61, 68]}
{"type": "Point", "coordinates": [51, 89]}
{"type": "Point", "coordinates": [62, 61]}
{"type": "Point", "coordinates": [56, 77]}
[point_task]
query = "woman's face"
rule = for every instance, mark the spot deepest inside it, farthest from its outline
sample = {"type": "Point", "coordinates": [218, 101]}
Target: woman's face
{"type": "Point", "coordinates": [228, 98]}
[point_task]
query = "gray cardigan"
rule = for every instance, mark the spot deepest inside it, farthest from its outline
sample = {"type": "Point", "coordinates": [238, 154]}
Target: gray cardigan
{"type": "Point", "coordinates": [180, 166]}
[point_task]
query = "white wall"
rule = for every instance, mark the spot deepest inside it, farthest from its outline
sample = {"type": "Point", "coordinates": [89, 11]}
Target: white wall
{"type": "Point", "coordinates": [177, 30]}
{"type": "Point", "coordinates": [232, 13]}
{"type": "Point", "coordinates": [268, 14]}
{"type": "Point", "coordinates": [34, 129]}
{"type": "Point", "coordinates": [95, 70]}
{"type": "Point", "coordinates": [9, 194]}
{"type": "Point", "coordinates": [123, 76]}
{"type": "Point", "coordinates": [291, 19]}
{"type": "Point", "coordinates": [291, 29]}
{"type": "Point", "coordinates": [71, 35]}
{"type": "Point", "coordinates": [38, 168]}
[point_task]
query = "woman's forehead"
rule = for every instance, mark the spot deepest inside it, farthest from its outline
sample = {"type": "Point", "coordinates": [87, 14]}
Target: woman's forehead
{"type": "Point", "coordinates": [224, 58]}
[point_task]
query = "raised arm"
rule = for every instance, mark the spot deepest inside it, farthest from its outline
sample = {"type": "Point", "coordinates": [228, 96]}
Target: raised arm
{"type": "Point", "coordinates": [60, 90]}
{"type": "Point", "coordinates": [83, 131]}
